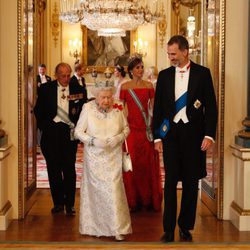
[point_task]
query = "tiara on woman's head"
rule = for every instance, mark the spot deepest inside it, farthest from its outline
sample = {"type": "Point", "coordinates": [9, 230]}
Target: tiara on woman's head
{"type": "Point", "coordinates": [134, 57]}
{"type": "Point", "coordinates": [104, 84]}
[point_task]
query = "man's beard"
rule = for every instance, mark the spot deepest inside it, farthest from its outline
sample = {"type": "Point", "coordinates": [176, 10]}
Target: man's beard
{"type": "Point", "coordinates": [175, 63]}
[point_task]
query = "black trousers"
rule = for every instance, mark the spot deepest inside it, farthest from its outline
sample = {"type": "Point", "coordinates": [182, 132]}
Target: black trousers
{"type": "Point", "coordinates": [180, 160]}
{"type": "Point", "coordinates": [60, 155]}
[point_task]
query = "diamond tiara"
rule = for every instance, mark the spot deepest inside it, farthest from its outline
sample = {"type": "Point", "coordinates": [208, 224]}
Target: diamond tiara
{"type": "Point", "coordinates": [104, 84]}
{"type": "Point", "coordinates": [134, 57]}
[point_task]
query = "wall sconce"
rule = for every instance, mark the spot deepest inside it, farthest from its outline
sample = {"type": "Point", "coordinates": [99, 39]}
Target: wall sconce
{"type": "Point", "coordinates": [75, 49]}
{"type": "Point", "coordinates": [141, 47]}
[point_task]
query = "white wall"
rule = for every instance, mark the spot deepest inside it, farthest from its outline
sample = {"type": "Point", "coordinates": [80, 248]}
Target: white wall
{"type": "Point", "coordinates": [235, 86]}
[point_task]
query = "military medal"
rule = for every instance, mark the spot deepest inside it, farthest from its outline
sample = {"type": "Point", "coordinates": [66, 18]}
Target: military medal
{"type": "Point", "coordinates": [73, 111]}
{"type": "Point", "coordinates": [63, 95]}
{"type": "Point", "coordinates": [197, 104]}
{"type": "Point", "coordinates": [164, 128]}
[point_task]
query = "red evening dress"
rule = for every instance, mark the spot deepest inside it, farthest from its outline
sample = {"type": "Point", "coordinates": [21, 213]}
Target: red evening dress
{"type": "Point", "coordinates": [143, 186]}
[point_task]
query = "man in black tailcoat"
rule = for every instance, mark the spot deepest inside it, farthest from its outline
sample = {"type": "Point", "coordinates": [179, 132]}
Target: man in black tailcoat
{"type": "Point", "coordinates": [184, 124]}
{"type": "Point", "coordinates": [42, 77]}
{"type": "Point", "coordinates": [57, 111]}
{"type": "Point", "coordinates": [78, 79]}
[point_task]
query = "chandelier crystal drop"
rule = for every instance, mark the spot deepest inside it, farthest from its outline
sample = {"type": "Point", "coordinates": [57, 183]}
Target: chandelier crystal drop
{"type": "Point", "coordinates": [110, 17]}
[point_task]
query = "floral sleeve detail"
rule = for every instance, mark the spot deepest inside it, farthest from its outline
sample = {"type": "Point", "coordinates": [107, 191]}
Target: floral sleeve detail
{"type": "Point", "coordinates": [118, 106]}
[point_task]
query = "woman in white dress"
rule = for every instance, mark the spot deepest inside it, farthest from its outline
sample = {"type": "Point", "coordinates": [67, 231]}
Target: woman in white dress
{"type": "Point", "coordinates": [120, 75]}
{"type": "Point", "coordinates": [102, 127]}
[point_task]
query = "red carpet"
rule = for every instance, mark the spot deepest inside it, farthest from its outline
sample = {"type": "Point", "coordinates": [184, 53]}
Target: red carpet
{"type": "Point", "coordinates": [42, 175]}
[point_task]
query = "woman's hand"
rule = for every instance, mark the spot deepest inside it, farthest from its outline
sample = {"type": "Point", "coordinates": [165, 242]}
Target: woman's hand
{"type": "Point", "coordinates": [100, 143]}
{"type": "Point", "coordinates": [113, 141]}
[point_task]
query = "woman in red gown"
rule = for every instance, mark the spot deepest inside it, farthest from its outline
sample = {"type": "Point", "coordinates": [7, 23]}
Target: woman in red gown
{"type": "Point", "coordinates": [143, 187]}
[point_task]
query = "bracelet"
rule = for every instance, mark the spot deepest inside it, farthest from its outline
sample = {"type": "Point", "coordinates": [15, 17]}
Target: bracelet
{"type": "Point", "coordinates": [91, 141]}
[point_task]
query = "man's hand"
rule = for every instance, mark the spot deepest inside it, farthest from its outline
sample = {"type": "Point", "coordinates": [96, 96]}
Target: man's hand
{"type": "Point", "coordinates": [206, 144]}
{"type": "Point", "coordinates": [158, 146]}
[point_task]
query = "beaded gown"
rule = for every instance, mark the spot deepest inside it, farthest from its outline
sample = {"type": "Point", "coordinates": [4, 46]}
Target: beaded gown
{"type": "Point", "coordinates": [103, 205]}
{"type": "Point", "coordinates": [143, 187]}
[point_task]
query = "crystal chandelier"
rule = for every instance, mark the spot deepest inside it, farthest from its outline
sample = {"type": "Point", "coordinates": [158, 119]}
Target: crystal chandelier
{"type": "Point", "coordinates": [110, 17]}
{"type": "Point", "coordinates": [193, 39]}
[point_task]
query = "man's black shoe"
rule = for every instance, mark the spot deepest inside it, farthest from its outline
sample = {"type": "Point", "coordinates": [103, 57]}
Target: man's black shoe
{"type": "Point", "coordinates": [57, 209]}
{"type": "Point", "coordinates": [167, 237]}
{"type": "Point", "coordinates": [185, 234]}
{"type": "Point", "coordinates": [70, 211]}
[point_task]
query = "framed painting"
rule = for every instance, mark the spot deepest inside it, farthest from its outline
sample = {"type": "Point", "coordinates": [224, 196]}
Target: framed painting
{"type": "Point", "coordinates": [100, 52]}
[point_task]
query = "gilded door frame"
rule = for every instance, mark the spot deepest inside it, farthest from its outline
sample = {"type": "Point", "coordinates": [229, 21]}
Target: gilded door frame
{"type": "Point", "coordinates": [25, 187]}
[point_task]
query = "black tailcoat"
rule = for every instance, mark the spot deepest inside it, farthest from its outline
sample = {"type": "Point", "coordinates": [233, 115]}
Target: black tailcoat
{"type": "Point", "coordinates": [183, 158]}
{"type": "Point", "coordinates": [57, 147]}
{"type": "Point", "coordinates": [74, 81]}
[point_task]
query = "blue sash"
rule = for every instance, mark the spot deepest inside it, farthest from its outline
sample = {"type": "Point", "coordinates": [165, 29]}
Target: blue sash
{"type": "Point", "coordinates": [180, 103]}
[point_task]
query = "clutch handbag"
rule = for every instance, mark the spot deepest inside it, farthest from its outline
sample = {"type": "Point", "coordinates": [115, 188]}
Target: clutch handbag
{"type": "Point", "coordinates": [126, 160]}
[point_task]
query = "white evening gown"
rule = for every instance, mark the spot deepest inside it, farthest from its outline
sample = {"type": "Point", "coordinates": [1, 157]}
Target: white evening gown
{"type": "Point", "coordinates": [103, 204]}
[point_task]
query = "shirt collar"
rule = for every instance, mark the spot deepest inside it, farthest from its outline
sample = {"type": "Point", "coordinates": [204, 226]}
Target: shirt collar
{"type": "Point", "coordinates": [183, 69]}
{"type": "Point", "coordinates": [62, 87]}
{"type": "Point", "coordinates": [78, 77]}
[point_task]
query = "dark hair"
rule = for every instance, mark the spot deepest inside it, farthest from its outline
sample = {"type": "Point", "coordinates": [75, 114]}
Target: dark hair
{"type": "Point", "coordinates": [132, 64]}
{"type": "Point", "coordinates": [78, 67]}
{"type": "Point", "coordinates": [121, 70]}
{"type": "Point", "coordinates": [42, 65]}
{"type": "Point", "coordinates": [180, 40]}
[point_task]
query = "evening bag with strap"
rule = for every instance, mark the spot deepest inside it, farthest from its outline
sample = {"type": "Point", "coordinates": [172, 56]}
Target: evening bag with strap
{"type": "Point", "coordinates": [126, 160]}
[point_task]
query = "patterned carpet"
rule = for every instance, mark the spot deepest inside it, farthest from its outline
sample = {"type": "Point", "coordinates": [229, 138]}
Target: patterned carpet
{"type": "Point", "coordinates": [42, 175]}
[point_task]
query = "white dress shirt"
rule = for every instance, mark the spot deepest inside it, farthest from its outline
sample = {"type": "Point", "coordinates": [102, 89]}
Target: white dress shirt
{"type": "Point", "coordinates": [79, 79]}
{"type": "Point", "coordinates": [181, 86]}
{"type": "Point", "coordinates": [43, 78]}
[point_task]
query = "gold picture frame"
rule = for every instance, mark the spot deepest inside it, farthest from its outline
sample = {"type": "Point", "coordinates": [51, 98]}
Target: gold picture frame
{"type": "Point", "coordinates": [98, 53]}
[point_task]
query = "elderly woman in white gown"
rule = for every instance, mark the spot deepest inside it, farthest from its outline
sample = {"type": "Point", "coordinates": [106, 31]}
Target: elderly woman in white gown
{"type": "Point", "coordinates": [102, 127]}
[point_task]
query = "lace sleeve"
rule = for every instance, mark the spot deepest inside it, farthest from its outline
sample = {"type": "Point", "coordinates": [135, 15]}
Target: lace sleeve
{"type": "Point", "coordinates": [81, 127]}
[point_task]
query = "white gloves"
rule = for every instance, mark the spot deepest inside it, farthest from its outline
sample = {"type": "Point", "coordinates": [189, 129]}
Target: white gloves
{"type": "Point", "coordinates": [115, 140]}
{"type": "Point", "coordinates": [110, 142]}
{"type": "Point", "coordinates": [100, 143]}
